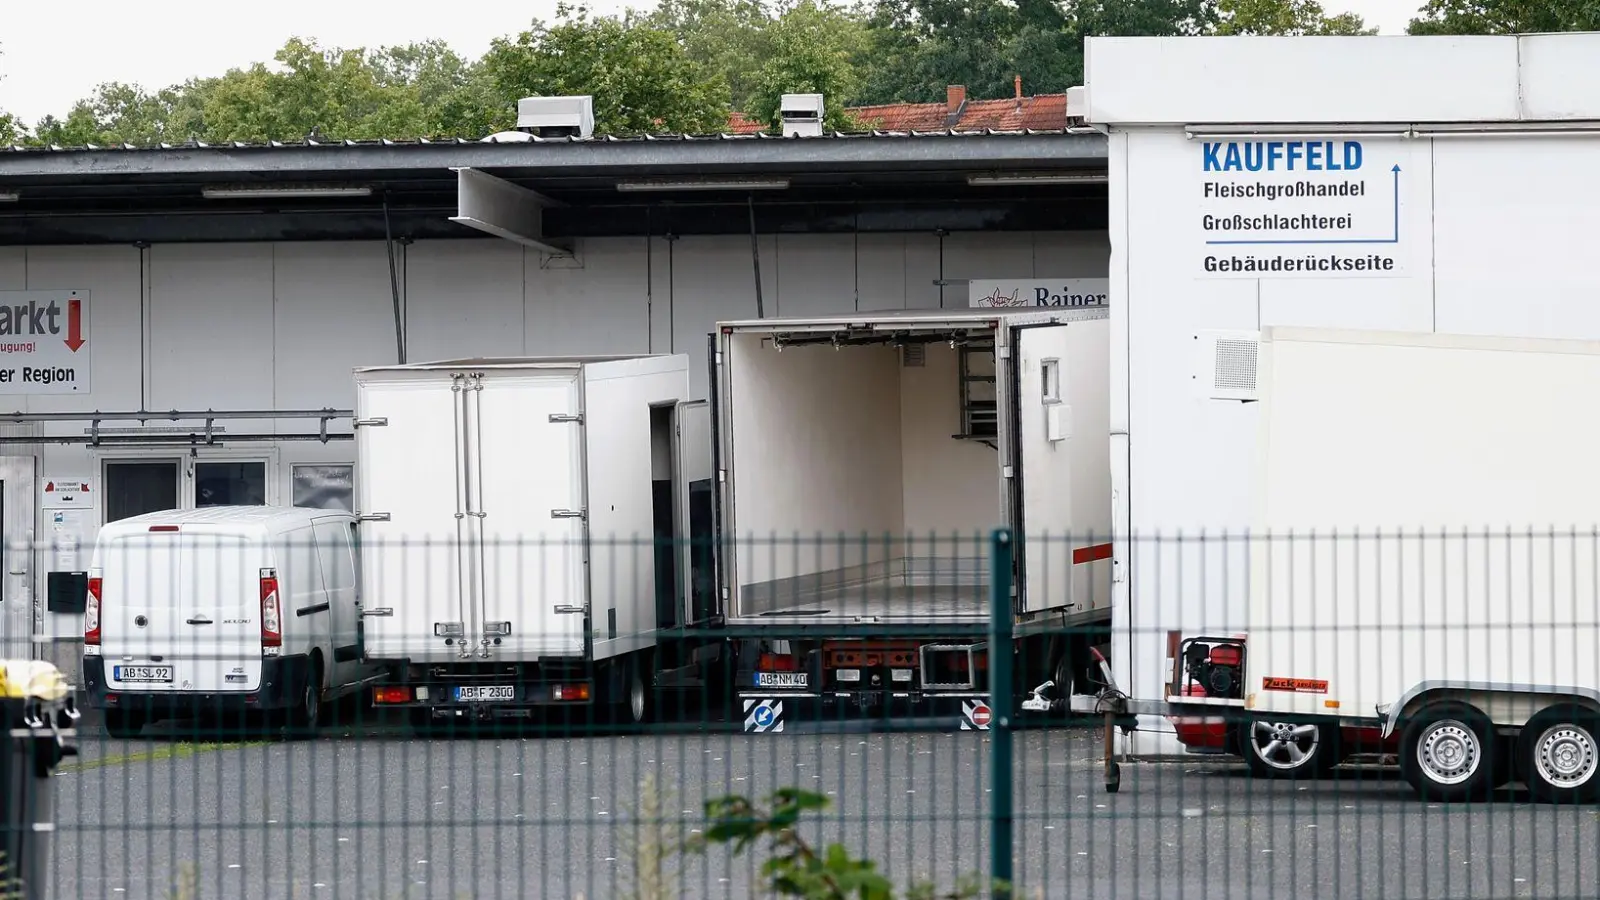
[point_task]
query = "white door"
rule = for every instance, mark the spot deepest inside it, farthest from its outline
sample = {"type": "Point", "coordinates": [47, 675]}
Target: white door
{"type": "Point", "coordinates": [20, 617]}
{"type": "Point", "coordinates": [525, 504]}
{"type": "Point", "coordinates": [692, 456]}
{"type": "Point", "coordinates": [335, 539]}
{"type": "Point", "coordinates": [1062, 484]}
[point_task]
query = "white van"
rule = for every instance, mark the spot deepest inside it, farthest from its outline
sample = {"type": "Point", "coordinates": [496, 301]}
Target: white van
{"type": "Point", "coordinates": [223, 609]}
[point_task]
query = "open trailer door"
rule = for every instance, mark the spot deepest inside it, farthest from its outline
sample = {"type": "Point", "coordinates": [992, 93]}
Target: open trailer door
{"type": "Point", "coordinates": [1061, 477]}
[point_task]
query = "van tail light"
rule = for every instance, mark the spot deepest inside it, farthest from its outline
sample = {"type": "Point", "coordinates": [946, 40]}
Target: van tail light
{"type": "Point", "coordinates": [91, 615]}
{"type": "Point", "coordinates": [271, 615]}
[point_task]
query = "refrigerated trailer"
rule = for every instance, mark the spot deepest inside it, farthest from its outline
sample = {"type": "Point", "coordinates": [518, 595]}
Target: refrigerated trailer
{"type": "Point", "coordinates": [534, 533]}
{"type": "Point", "coordinates": [862, 462]}
{"type": "Point", "coordinates": [1423, 557]}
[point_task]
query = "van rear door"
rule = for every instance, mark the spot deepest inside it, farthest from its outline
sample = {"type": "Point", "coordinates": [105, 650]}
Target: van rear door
{"type": "Point", "coordinates": [181, 610]}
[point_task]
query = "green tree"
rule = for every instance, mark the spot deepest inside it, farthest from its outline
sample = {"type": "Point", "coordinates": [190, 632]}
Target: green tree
{"type": "Point", "coordinates": [1505, 17]}
{"type": "Point", "coordinates": [457, 96]}
{"type": "Point", "coordinates": [11, 130]}
{"type": "Point", "coordinates": [1286, 17]}
{"type": "Point", "coordinates": [812, 48]}
{"type": "Point", "coordinates": [118, 113]}
{"type": "Point", "coordinates": [730, 37]}
{"type": "Point", "coordinates": [641, 78]}
{"type": "Point", "coordinates": [920, 46]}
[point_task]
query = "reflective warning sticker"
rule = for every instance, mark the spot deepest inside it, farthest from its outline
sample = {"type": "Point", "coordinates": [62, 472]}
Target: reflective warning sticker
{"type": "Point", "coordinates": [1295, 685]}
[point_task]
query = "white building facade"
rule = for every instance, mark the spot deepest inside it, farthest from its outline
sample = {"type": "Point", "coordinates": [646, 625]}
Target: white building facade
{"type": "Point", "coordinates": [1404, 183]}
{"type": "Point", "coordinates": [276, 327]}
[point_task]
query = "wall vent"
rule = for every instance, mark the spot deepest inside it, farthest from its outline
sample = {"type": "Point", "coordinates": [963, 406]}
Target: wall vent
{"type": "Point", "coordinates": [1226, 364]}
{"type": "Point", "coordinates": [914, 356]}
{"type": "Point", "coordinates": [801, 115]}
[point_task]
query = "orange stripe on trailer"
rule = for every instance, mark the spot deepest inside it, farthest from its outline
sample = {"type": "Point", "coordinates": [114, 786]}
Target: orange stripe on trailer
{"type": "Point", "coordinates": [1091, 554]}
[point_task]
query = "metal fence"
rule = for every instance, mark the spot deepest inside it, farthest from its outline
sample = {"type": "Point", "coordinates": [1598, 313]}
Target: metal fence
{"type": "Point", "coordinates": [1271, 705]}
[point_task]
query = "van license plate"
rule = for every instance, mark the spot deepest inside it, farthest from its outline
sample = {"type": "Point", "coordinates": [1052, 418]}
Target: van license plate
{"type": "Point", "coordinates": [781, 679]}
{"type": "Point", "coordinates": [142, 673]}
{"type": "Point", "coordinates": [484, 694]}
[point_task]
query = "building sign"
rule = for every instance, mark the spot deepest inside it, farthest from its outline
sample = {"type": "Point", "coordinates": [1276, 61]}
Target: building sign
{"type": "Point", "coordinates": [44, 339]}
{"type": "Point", "coordinates": [1312, 208]}
{"type": "Point", "coordinates": [68, 492]}
{"type": "Point", "coordinates": [1034, 292]}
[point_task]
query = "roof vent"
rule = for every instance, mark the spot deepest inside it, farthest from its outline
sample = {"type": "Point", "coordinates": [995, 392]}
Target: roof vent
{"type": "Point", "coordinates": [1077, 105]}
{"type": "Point", "coordinates": [556, 116]}
{"type": "Point", "coordinates": [801, 114]}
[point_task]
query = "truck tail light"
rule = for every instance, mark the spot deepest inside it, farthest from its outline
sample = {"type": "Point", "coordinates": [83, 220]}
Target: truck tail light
{"type": "Point", "coordinates": [91, 614]}
{"type": "Point", "coordinates": [271, 618]}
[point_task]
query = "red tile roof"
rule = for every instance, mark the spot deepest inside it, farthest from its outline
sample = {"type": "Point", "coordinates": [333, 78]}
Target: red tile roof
{"type": "Point", "coordinates": [1041, 112]}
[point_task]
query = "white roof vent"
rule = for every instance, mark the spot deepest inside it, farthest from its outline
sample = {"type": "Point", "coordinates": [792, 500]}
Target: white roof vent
{"type": "Point", "coordinates": [801, 115]}
{"type": "Point", "coordinates": [1077, 105]}
{"type": "Point", "coordinates": [556, 116]}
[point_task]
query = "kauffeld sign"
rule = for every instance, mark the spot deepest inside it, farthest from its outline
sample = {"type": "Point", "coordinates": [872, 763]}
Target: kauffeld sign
{"type": "Point", "coordinates": [1039, 292]}
{"type": "Point", "coordinates": [44, 341]}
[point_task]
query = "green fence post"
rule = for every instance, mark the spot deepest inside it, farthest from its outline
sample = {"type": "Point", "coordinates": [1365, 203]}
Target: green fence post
{"type": "Point", "coordinates": [1001, 707]}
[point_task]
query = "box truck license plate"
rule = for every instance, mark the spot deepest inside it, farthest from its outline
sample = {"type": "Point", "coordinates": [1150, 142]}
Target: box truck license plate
{"type": "Point", "coordinates": [781, 679]}
{"type": "Point", "coordinates": [141, 673]}
{"type": "Point", "coordinates": [485, 694]}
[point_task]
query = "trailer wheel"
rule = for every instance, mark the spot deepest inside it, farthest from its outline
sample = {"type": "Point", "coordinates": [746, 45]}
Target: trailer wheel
{"type": "Point", "coordinates": [1288, 750]}
{"type": "Point", "coordinates": [1559, 750]}
{"type": "Point", "coordinates": [1447, 753]}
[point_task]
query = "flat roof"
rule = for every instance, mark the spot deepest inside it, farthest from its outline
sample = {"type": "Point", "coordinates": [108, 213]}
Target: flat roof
{"type": "Point", "coordinates": [837, 184]}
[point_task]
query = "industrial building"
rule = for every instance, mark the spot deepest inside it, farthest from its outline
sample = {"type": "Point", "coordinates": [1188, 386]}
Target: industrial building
{"type": "Point", "coordinates": [179, 324]}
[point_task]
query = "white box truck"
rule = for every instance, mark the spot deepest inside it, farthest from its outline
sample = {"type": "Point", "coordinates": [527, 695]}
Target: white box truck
{"type": "Point", "coordinates": [863, 461]}
{"type": "Point", "coordinates": [1423, 558]}
{"type": "Point", "coordinates": [529, 533]}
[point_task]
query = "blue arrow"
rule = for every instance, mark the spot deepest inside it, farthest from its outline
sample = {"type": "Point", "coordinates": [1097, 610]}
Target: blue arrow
{"type": "Point", "coordinates": [1388, 240]}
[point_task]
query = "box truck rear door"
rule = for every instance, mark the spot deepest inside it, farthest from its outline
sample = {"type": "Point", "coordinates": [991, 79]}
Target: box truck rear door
{"type": "Point", "coordinates": [1061, 461]}
{"type": "Point", "coordinates": [527, 500]}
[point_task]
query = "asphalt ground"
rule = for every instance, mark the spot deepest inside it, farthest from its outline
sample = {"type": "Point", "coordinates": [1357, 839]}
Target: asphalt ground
{"type": "Point", "coordinates": [372, 811]}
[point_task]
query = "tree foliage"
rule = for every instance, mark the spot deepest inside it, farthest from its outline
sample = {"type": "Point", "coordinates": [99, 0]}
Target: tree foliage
{"type": "Point", "coordinates": [1505, 16]}
{"type": "Point", "coordinates": [685, 64]}
{"type": "Point", "coordinates": [641, 77]}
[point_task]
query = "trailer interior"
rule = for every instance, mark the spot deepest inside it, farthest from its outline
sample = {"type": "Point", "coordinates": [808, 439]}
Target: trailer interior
{"type": "Point", "coordinates": [876, 452]}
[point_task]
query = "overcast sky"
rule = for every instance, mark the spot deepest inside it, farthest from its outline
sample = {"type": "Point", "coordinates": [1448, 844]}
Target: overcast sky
{"type": "Point", "coordinates": [55, 53]}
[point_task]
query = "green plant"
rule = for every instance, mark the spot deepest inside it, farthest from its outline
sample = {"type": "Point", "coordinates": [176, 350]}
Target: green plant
{"type": "Point", "coordinates": [188, 886]}
{"type": "Point", "coordinates": [651, 845]}
{"type": "Point", "coordinates": [796, 869]}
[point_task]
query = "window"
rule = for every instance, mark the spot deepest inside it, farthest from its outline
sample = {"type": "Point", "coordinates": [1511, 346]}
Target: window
{"type": "Point", "coordinates": [230, 484]}
{"type": "Point", "coordinates": [137, 487]}
{"type": "Point", "coordinates": [325, 486]}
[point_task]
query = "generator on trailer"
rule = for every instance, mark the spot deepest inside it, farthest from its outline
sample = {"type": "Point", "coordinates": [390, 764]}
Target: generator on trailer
{"type": "Point", "coordinates": [527, 534]}
{"type": "Point", "coordinates": [862, 461]}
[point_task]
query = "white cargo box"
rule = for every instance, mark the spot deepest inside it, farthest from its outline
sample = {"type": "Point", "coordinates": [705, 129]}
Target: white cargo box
{"type": "Point", "coordinates": [508, 505]}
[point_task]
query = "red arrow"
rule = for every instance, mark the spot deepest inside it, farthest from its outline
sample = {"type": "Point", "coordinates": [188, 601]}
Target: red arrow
{"type": "Point", "coordinates": [74, 324]}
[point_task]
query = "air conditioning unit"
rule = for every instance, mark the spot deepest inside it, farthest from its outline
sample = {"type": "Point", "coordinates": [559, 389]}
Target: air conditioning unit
{"type": "Point", "coordinates": [801, 115]}
{"type": "Point", "coordinates": [556, 116]}
{"type": "Point", "coordinates": [1077, 105]}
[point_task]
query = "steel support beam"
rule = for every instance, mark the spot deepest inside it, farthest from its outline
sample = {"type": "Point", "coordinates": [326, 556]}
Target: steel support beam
{"type": "Point", "coordinates": [498, 207]}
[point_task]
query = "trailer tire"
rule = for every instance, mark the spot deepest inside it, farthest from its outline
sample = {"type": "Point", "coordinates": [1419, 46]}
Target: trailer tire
{"type": "Point", "coordinates": [1559, 753]}
{"type": "Point", "coordinates": [1447, 753]}
{"type": "Point", "coordinates": [1288, 750]}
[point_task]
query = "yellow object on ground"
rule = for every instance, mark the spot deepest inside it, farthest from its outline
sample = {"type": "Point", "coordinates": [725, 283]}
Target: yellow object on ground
{"type": "Point", "coordinates": [30, 679]}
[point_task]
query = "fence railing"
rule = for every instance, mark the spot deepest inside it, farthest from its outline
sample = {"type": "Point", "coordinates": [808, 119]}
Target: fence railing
{"type": "Point", "coordinates": [320, 716]}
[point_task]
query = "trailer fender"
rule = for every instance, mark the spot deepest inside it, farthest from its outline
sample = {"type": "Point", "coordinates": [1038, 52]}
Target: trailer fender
{"type": "Point", "coordinates": [1392, 714]}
